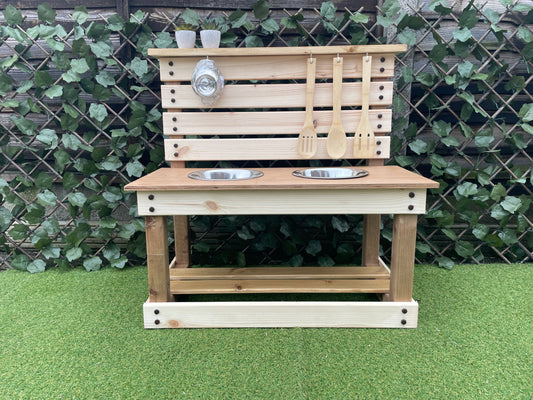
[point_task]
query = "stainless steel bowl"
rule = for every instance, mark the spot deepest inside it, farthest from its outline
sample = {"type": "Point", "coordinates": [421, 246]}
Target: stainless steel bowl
{"type": "Point", "coordinates": [228, 174]}
{"type": "Point", "coordinates": [330, 173]}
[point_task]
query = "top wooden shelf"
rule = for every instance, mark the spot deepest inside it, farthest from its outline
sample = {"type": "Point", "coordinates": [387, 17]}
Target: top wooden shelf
{"type": "Point", "coordinates": [279, 51]}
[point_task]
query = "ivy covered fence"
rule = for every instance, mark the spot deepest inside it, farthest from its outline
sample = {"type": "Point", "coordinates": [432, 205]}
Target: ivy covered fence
{"type": "Point", "coordinates": [80, 117]}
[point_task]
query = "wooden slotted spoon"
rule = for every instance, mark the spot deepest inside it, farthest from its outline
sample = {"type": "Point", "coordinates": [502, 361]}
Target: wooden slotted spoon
{"type": "Point", "coordinates": [307, 140]}
{"type": "Point", "coordinates": [363, 144]}
{"type": "Point", "coordinates": [336, 141]}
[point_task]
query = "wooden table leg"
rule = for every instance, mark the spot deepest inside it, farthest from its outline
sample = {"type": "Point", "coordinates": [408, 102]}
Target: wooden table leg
{"type": "Point", "coordinates": [181, 241]}
{"type": "Point", "coordinates": [371, 234]}
{"type": "Point", "coordinates": [403, 257]}
{"type": "Point", "coordinates": [157, 258]}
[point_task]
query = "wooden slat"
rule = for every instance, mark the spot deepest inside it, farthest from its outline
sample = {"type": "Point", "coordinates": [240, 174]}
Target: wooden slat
{"type": "Point", "coordinates": [281, 314]}
{"type": "Point", "coordinates": [256, 149]}
{"type": "Point", "coordinates": [279, 202]}
{"type": "Point", "coordinates": [157, 258]}
{"type": "Point", "coordinates": [274, 67]}
{"type": "Point", "coordinates": [403, 256]}
{"type": "Point", "coordinates": [280, 286]}
{"type": "Point", "coordinates": [274, 51]}
{"type": "Point", "coordinates": [385, 177]}
{"type": "Point", "coordinates": [251, 273]}
{"type": "Point", "coordinates": [266, 123]}
{"type": "Point", "coordinates": [275, 95]}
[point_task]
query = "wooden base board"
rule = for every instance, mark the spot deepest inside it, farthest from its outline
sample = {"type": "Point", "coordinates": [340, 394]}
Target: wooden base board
{"type": "Point", "coordinates": [281, 314]}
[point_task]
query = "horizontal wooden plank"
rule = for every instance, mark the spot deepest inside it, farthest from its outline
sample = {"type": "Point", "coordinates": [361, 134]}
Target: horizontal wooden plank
{"type": "Point", "coordinates": [267, 123]}
{"type": "Point", "coordinates": [259, 149]}
{"type": "Point", "coordinates": [369, 5]}
{"type": "Point", "coordinates": [281, 314]}
{"type": "Point", "coordinates": [280, 273]}
{"type": "Point", "coordinates": [275, 95]}
{"type": "Point", "coordinates": [275, 67]}
{"type": "Point", "coordinates": [280, 51]}
{"type": "Point", "coordinates": [379, 177]}
{"type": "Point", "coordinates": [218, 286]}
{"type": "Point", "coordinates": [279, 202]}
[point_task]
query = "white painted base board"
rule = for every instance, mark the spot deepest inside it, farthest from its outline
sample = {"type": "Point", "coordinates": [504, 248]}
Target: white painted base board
{"type": "Point", "coordinates": [281, 314]}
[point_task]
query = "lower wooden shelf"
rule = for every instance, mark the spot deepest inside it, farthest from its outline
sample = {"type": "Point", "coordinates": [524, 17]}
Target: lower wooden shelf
{"type": "Point", "coordinates": [281, 314]}
{"type": "Point", "coordinates": [280, 280]}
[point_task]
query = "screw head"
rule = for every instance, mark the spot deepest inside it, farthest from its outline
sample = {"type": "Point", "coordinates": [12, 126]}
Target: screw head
{"type": "Point", "coordinates": [411, 194]}
{"type": "Point", "coordinates": [171, 73]}
{"type": "Point", "coordinates": [378, 152]}
{"type": "Point", "coordinates": [381, 97]}
{"type": "Point", "coordinates": [381, 87]}
{"type": "Point", "coordinates": [151, 209]}
{"type": "Point", "coordinates": [380, 70]}
{"type": "Point", "coordinates": [151, 197]}
{"type": "Point", "coordinates": [176, 154]}
{"type": "Point", "coordinates": [175, 129]}
{"type": "Point", "coordinates": [404, 321]}
{"type": "Point", "coordinates": [157, 322]}
{"type": "Point", "coordinates": [175, 145]}
{"type": "Point", "coordinates": [172, 91]}
{"type": "Point", "coordinates": [382, 59]}
{"type": "Point", "coordinates": [156, 312]}
{"type": "Point", "coordinates": [379, 126]}
{"type": "Point", "coordinates": [171, 63]}
{"type": "Point", "coordinates": [380, 116]}
{"type": "Point", "coordinates": [404, 310]}
{"type": "Point", "coordinates": [173, 100]}
{"type": "Point", "coordinates": [411, 208]}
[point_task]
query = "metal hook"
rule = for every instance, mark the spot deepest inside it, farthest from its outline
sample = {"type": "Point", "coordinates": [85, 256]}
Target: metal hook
{"type": "Point", "coordinates": [311, 59]}
{"type": "Point", "coordinates": [367, 57]}
{"type": "Point", "coordinates": [338, 58]}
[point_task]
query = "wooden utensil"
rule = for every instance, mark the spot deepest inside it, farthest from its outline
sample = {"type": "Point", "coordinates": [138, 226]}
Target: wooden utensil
{"type": "Point", "coordinates": [336, 141]}
{"type": "Point", "coordinates": [364, 135]}
{"type": "Point", "coordinates": [307, 140]}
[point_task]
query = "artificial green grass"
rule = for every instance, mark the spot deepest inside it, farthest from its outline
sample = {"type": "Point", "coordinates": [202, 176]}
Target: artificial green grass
{"type": "Point", "coordinates": [79, 335]}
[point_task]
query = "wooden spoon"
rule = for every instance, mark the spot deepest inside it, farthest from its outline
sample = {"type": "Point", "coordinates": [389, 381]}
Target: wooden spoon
{"type": "Point", "coordinates": [364, 135]}
{"type": "Point", "coordinates": [336, 141]}
{"type": "Point", "coordinates": [307, 140]}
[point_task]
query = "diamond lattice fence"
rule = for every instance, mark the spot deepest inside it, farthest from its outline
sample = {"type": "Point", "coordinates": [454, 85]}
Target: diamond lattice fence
{"type": "Point", "coordinates": [80, 117]}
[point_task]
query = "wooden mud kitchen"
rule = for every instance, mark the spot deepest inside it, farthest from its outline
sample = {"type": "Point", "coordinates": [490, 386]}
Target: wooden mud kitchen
{"type": "Point", "coordinates": [291, 103]}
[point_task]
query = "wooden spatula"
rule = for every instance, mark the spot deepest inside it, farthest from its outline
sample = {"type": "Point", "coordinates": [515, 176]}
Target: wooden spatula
{"type": "Point", "coordinates": [364, 135]}
{"type": "Point", "coordinates": [307, 140]}
{"type": "Point", "coordinates": [336, 141]}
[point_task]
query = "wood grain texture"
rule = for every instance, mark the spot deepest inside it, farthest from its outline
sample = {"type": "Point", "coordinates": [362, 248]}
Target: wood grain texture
{"type": "Point", "coordinates": [272, 67]}
{"type": "Point", "coordinates": [277, 51]}
{"type": "Point", "coordinates": [371, 236]}
{"type": "Point", "coordinates": [206, 286]}
{"type": "Point", "coordinates": [266, 123]}
{"type": "Point", "coordinates": [381, 177]}
{"type": "Point", "coordinates": [157, 258]}
{"type": "Point", "coordinates": [280, 202]}
{"type": "Point", "coordinates": [374, 272]}
{"type": "Point", "coordinates": [257, 149]}
{"type": "Point", "coordinates": [281, 314]}
{"type": "Point", "coordinates": [403, 257]}
{"type": "Point", "coordinates": [275, 96]}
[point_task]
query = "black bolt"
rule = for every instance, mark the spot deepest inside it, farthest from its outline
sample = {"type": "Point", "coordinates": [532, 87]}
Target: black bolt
{"type": "Point", "coordinates": [404, 310]}
{"type": "Point", "coordinates": [382, 59]}
{"type": "Point", "coordinates": [175, 129]}
{"type": "Point", "coordinates": [381, 87]}
{"type": "Point", "coordinates": [171, 73]}
{"type": "Point", "coordinates": [411, 194]}
{"type": "Point", "coordinates": [378, 152]}
{"type": "Point", "coordinates": [151, 209]}
{"type": "Point", "coordinates": [173, 100]}
{"type": "Point", "coordinates": [381, 97]}
{"type": "Point", "coordinates": [171, 63]}
{"type": "Point", "coordinates": [174, 119]}
{"type": "Point", "coordinates": [380, 70]}
{"type": "Point", "coordinates": [157, 322]}
{"type": "Point", "coordinates": [379, 126]}
{"type": "Point", "coordinates": [176, 154]}
{"type": "Point", "coordinates": [404, 322]}
{"type": "Point", "coordinates": [379, 141]}
{"type": "Point", "coordinates": [151, 197]}
{"type": "Point", "coordinates": [380, 116]}
{"type": "Point", "coordinates": [172, 91]}
{"type": "Point", "coordinates": [156, 312]}
{"type": "Point", "coordinates": [175, 145]}
{"type": "Point", "coordinates": [411, 208]}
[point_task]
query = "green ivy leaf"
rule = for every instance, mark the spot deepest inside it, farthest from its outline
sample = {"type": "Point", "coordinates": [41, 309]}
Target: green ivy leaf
{"type": "Point", "coordinates": [480, 231]}
{"type": "Point", "coordinates": [466, 189]}
{"type": "Point", "coordinates": [261, 10]}
{"type": "Point", "coordinates": [77, 199]}
{"type": "Point", "coordinates": [47, 198]}
{"type": "Point", "coordinates": [5, 218]}
{"type": "Point", "coordinates": [98, 112]}
{"type": "Point", "coordinates": [511, 204]}
{"type": "Point", "coordinates": [49, 138]}
{"type": "Point", "coordinates": [74, 253]}
{"type": "Point", "coordinates": [115, 23]}
{"type": "Point", "coordinates": [190, 17]}
{"type": "Point", "coordinates": [462, 35]}
{"type": "Point", "coordinates": [498, 192]}
{"type": "Point", "coordinates": [111, 163]}
{"type": "Point", "coordinates": [55, 44]}
{"type": "Point", "coordinates": [79, 66]}
{"type": "Point", "coordinates": [134, 168]}
{"type": "Point", "coordinates": [36, 266]}
{"type": "Point", "coordinates": [46, 13]}
{"type": "Point", "coordinates": [54, 91]}
{"type": "Point", "coordinates": [101, 49]}
{"type": "Point", "coordinates": [92, 263]}
{"type": "Point", "coordinates": [270, 25]}
{"type": "Point", "coordinates": [468, 19]}
{"type": "Point", "coordinates": [12, 15]}
{"type": "Point", "coordinates": [464, 249]}
{"type": "Point", "coordinates": [359, 18]}
{"type": "Point", "coordinates": [418, 146]}
{"type": "Point", "coordinates": [445, 262]}
{"type": "Point", "coordinates": [340, 225]}
{"type": "Point", "coordinates": [80, 15]}
{"type": "Point", "coordinates": [19, 231]}
{"type": "Point", "coordinates": [508, 236]}
{"type": "Point", "coordinates": [139, 67]}
{"type": "Point", "coordinates": [526, 112]}
{"type": "Point", "coordinates": [313, 247]}
{"type": "Point", "coordinates": [408, 37]}
{"type": "Point", "coordinates": [253, 41]}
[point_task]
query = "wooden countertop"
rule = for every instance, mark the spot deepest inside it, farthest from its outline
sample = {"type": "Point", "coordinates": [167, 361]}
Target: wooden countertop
{"type": "Point", "coordinates": [381, 177]}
